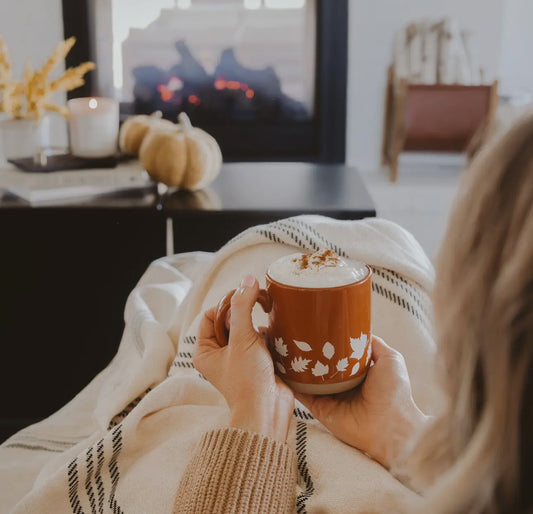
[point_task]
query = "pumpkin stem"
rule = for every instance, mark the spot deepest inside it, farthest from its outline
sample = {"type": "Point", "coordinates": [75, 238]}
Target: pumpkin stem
{"type": "Point", "coordinates": [185, 122]}
{"type": "Point", "coordinates": [156, 114]}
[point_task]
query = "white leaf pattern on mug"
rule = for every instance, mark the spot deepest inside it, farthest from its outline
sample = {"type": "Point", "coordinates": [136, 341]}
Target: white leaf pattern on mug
{"type": "Point", "coordinates": [319, 369]}
{"type": "Point", "coordinates": [355, 368]}
{"type": "Point", "coordinates": [358, 345]}
{"type": "Point", "coordinates": [342, 364]}
{"type": "Point", "coordinates": [281, 368]}
{"type": "Point", "coordinates": [305, 347]}
{"type": "Point", "coordinates": [299, 364]}
{"type": "Point", "coordinates": [280, 347]}
{"type": "Point", "coordinates": [328, 350]}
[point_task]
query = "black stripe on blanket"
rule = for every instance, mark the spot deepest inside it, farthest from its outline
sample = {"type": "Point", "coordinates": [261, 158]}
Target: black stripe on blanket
{"type": "Point", "coordinates": [67, 444]}
{"type": "Point", "coordinates": [269, 235]}
{"type": "Point", "coordinates": [113, 468]}
{"type": "Point", "coordinates": [95, 479]}
{"type": "Point", "coordinates": [299, 413]}
{"type": "Point", "coordinates": [179, 364]}
{"type": "Point", "coordinates": [98, 475]}
{"type": "Point", "coordinates": [301, 453]}
{"type": "Point", "coordinates": [320, 237]}
{"type": "Point", "coordinates": [30, 442]}
{"type": "Point", "coordinates": [404, 285]}
{"type": "Point", "coordinates": [88, 478]}
{"type": "Point", "coordinates": [184, 359]}
{"type": "Point", "coordinates": [118, 418]}
{"type": "Point", "coordinates": [32, 447]}
{"type": "Point", "coordinates": [73, 482]}
{"type": "Point", "coordinates": [190, 340]}
{"type": "Point", "coordinates": [298, 233]}
{"type": "Point", "coordinates": [398, 300]}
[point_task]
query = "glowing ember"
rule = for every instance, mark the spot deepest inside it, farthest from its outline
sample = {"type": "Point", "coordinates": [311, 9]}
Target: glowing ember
{"type": "Point", "coordinates": [166, 95]}
{"type": "Point", "coordinates": [168, 90]}
{"type": "Point", "coordinates": [193, 99]}
{"type": "Point", "coordinates": [220, 84]}
{"type": "Point", "coordinates": [234, 85]}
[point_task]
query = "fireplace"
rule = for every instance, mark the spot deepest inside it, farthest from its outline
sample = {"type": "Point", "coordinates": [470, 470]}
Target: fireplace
{"type": "Point", "coordinates": [232, 93]}
{"type": "Point", "coordinates": [267, 78]}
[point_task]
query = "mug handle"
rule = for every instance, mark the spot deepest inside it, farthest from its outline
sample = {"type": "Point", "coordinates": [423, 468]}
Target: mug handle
{"type": "Point", "coordinates": [221, 332]}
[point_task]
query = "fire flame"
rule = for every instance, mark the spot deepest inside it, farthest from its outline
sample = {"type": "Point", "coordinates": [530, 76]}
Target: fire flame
{"type": "Point", "coordinates": [166, 94]}
{"type": "Point", "coordinates": [174, 84]}
{"type": "Point", "coordinates": [221, 83]}
{"type": "Point", "coordinates": [193, 99]}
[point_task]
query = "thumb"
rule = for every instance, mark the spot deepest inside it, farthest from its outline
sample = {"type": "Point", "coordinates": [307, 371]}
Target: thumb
{"type": "Point", "coordinates": [242, 303]}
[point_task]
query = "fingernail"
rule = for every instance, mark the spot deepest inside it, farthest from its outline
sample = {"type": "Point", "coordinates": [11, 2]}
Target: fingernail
{"type": "Point", "coordinates": [248, 281]}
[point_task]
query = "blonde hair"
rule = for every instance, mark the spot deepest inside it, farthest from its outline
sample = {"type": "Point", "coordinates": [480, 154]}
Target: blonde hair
{"type": "Point", "coordinates": [479, 452]}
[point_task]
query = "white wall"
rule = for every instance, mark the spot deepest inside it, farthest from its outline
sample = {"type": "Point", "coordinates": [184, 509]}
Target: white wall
{"type": "Point", "coordinates": [32, 29]}
{"type": "Point", "coordinates": [373, 24]}
{"type": "Point", "coordinates": [517, 47]}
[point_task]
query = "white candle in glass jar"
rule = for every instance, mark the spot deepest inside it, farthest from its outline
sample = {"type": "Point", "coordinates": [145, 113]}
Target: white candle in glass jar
{"type": "Point", "coordinates": [93, 126]}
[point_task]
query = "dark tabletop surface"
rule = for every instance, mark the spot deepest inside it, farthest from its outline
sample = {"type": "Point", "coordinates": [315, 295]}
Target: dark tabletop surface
{"type": "Point", "coordinates": [245, 187]}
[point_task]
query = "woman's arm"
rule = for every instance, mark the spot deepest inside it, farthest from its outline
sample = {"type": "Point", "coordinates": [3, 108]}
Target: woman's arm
{"type": "Point", "coordinates": [238, 471]}
{"type": "Point", "coordinates": [246, 467]}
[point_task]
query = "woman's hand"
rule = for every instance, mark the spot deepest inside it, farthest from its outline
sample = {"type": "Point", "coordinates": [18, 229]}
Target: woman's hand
{"type": "Point", "coordinates": [243, 370]}
{"type": "Point", "coordinates": [378, 417]}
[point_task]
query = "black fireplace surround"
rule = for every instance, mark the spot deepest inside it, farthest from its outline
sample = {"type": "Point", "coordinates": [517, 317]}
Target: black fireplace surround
{"type": "Point", "coordinates": [288, 136]}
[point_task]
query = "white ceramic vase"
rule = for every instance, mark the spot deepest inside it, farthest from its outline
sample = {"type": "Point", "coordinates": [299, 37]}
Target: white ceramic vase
{"type": "Point", "coordinates": [22, 138]}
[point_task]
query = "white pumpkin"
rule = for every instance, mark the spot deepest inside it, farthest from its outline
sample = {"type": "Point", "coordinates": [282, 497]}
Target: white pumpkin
{"type": "Point", "coordinates": [163, 155]}
{"type": "Point", "coordinates": [204, 158]}
{"type": "Point", "coordinates": [185, 156]}
{"type": "Point", "coordinates": [135, 128]}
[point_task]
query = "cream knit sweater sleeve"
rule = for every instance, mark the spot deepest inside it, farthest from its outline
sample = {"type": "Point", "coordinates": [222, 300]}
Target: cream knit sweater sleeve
{"type": "Point", "coordinates": [238, 471]}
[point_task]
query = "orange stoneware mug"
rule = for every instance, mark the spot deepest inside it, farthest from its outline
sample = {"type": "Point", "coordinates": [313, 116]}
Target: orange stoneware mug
{"type": "Point", "coordinates": [319, 309]}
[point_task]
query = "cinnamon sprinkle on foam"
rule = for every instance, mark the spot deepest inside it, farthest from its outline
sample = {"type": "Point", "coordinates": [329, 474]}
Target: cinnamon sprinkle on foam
{"type": "Point", "coordinates": [322, 258]}
{"type": "Point", "coordinates": [324, 268]}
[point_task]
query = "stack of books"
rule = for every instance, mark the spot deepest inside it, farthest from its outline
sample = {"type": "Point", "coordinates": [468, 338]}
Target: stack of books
{"type": "Point", "coordinates": [60, 185]}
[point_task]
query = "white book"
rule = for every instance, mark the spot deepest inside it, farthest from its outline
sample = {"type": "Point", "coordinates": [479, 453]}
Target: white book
{"type": "Point", "coordinates": [58, 185]}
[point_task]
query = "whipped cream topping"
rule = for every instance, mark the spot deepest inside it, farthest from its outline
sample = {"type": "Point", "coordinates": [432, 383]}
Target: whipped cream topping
{"type": "Point", "coordinates": [323, 268]}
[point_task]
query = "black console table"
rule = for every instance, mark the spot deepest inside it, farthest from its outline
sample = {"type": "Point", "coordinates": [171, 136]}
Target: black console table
{"type": "Point", "coordinates": [66, 269]}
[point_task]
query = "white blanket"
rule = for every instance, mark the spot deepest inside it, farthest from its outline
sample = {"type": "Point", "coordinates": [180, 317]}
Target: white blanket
{"type": "Point", "coordinates": [122, 444]}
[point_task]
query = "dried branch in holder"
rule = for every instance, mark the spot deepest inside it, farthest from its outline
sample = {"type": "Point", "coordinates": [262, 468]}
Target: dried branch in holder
{"type": "Point", "coordinates": [5, 64]}
{"type": "Point", "coordinates": [58, 55]}
{"type": "Point", "coordinates": [72, 78]}
{"type": "Point", "coordinates": [30, 98]}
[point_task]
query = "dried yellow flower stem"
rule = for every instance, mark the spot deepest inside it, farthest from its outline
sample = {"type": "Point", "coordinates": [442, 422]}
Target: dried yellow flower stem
{"type": "Point", "coordinates": [30, 98]}
{"type": "Point", "coordinates": [72, 78]}
{"type": "Point", "coordinates": [5, 64]}
{"type": "Point", "coordinates": [58, 55]}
